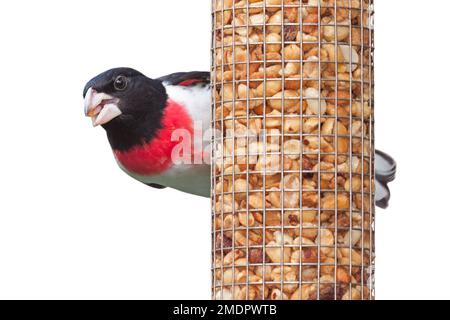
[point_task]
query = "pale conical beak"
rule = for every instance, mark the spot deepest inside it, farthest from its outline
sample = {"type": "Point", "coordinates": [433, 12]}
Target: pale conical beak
{"type": "Point", "coordinates": [101, 107]}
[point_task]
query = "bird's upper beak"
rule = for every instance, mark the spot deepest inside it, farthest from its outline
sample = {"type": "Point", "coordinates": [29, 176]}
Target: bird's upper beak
{"type": "Point", "coordinates": [101, 107]}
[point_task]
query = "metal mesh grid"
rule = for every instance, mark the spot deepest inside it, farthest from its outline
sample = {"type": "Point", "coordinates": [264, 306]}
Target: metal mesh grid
{"type": "Point", "coordinates": [293, 159]}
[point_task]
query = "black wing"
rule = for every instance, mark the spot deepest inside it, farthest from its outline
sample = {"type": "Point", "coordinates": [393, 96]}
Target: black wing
{"type": "Point", "coordinates": [156, 186]}
{"type": "Point", "coordinates": [187, 79]}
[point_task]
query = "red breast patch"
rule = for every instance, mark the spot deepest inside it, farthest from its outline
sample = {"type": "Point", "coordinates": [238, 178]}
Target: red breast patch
{"type": "Point", "coordinates": [156, 156]}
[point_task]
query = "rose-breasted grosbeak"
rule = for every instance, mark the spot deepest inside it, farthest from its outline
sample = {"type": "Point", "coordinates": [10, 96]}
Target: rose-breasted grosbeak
{"type": "Point", "coordinates": [141, 114]}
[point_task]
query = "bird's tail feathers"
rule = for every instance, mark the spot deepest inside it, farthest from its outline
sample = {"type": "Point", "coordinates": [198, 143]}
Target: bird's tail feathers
{"type": "Point", "coordinates": [386, 170]}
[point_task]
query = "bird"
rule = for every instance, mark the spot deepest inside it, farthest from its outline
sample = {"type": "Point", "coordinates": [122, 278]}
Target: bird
{"type": "Point", "coordinates": [140, 116]}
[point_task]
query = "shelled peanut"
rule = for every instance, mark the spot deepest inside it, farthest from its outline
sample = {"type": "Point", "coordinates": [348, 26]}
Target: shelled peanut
{"type": "Point", "coordinates": [292, 177]}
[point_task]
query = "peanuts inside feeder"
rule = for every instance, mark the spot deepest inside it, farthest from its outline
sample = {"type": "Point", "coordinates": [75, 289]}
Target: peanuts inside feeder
{"type": "Point", "coordinates": [293, 164]}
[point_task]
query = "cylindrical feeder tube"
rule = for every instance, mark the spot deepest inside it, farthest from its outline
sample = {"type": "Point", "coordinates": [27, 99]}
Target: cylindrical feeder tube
{"type": "Point", "coordinates": [293, 160]}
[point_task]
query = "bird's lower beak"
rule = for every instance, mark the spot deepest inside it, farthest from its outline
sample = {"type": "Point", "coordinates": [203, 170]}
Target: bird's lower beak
{"type": "Point", "coordinates": [101, 107]}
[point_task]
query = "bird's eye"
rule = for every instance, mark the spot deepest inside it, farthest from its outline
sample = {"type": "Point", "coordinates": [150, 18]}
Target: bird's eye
{"type": "Point", "coordinates": [120, 83]}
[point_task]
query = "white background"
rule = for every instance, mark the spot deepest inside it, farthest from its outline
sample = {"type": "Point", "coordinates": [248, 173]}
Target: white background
{"type": "Point", "coordinates": [72, 225]}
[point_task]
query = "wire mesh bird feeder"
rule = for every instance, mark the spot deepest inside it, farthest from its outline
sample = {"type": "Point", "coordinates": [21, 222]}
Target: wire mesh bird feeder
{"type": "Point", "coordinates": [293, 159]}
